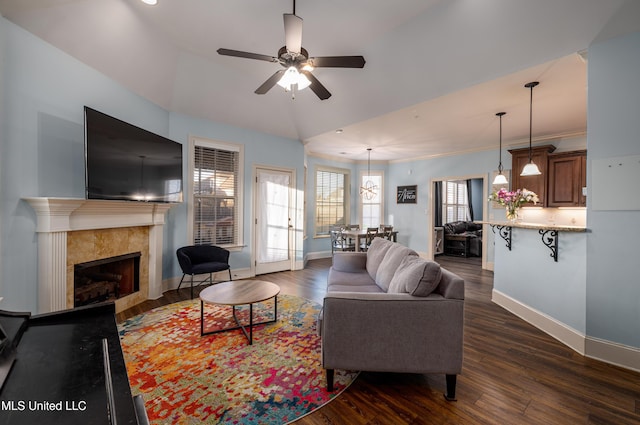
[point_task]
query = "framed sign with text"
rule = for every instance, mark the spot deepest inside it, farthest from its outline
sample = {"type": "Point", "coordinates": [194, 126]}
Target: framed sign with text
{"type": "Point", "coordinates": [407, 194]}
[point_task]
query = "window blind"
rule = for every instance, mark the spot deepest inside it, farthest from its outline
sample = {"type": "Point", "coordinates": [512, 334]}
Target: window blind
{"type": "Point", "coordinates": [330, 200]}
{"type": "Point", "coordinates": [215, 191]}
{"type": "Point", "coordinates": [456, 206]}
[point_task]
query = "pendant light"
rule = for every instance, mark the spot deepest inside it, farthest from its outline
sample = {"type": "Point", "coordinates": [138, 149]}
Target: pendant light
{"type": "Point", "coordinates": [500, 178]}
{"type": "Point", "coordinates": [531, 169]}
{"type": "Point", "coordinates": [369, 190]}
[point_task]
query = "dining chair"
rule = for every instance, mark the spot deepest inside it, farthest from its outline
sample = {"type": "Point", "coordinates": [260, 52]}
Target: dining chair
{"type": "Point", "coordinates": [386, 232]}
{"type": "Point", "coordinates": [372, 233]}
{"type": "Point", "coordinates": [339, 242]}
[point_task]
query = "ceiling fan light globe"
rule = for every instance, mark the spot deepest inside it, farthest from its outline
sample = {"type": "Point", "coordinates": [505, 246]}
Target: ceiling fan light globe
{"type": "Point", "coordinates": [530, 169]}
{"type": "Point", "coordinates": [289, 77]}
{"type": "Point", "coordinates": [292, 76]}
{"type": "Point", "coordinates": [303, 82]}
{"type": "Point", "coordinates": [500, 179]}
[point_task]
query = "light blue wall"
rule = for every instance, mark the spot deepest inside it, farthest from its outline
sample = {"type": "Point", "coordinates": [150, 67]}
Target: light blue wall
{"type": "Point", "coordinates": [613, 282]}
{"type": "Point", "coordinates": [43, 94]}
{"type": "Point", "coordinates": [42, 150]}
{"type": "Point", "coordinates": [529, 275]}
{"type": "Point", "coordinates": [259, 149]}
{"type": "Point", "coordinates": [411, 220]}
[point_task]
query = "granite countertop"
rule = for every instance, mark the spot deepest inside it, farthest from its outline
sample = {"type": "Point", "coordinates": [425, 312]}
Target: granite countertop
{"type": "Point", "coordinates": [536, 226]}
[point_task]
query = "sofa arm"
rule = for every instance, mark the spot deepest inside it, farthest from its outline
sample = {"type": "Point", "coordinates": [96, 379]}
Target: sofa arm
{"type": "Point", "coordinates": [392, 333]}
{"type": "Point", "coordinates": [350, 262]}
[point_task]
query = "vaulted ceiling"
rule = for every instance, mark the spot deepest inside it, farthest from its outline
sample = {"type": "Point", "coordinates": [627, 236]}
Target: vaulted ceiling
{"type": "Point", "coordinates": [436, 71]}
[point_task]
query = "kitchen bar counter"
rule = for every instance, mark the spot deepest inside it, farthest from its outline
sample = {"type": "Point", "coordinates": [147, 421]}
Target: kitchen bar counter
{"type": "Point", "coordinates": [535, 226]}
{"type": "Point", "coordinates": [548, 232]}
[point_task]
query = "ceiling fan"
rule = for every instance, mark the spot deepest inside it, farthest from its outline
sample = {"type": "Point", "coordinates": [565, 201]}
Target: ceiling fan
{"type": "Point", "coordinates": [295, 59]}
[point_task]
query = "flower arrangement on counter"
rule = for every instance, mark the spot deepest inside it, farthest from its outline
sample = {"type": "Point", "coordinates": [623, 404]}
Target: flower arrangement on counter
{"type": "Point", "coordinates": [513, 200]}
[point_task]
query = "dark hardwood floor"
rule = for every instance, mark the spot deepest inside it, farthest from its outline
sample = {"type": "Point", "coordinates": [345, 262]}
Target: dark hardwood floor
{"type": "Point", "coordinates": [513, 373]}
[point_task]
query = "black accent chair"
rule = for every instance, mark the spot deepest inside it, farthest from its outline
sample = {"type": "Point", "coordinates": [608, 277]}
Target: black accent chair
{"type": "Point", "coordinates": [202, 259]}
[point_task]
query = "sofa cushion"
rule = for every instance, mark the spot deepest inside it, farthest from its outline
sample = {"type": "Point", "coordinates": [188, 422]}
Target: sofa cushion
{"type": "Point", "coordinates": [355, 280]}
{"type": "Point", "coordinates": [392, 259]}
{"type": "Point", "coordinates": [375, 255]}
{"type": "Point", "coordinates": [416, 276]}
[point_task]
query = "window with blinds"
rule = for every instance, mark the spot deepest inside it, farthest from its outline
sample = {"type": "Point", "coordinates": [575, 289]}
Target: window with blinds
{"type": "Point", "coordinates": [331, 204]}
{"type": "Point", "coordinates": [216, 195]}
{"type": "Point", "coordinates": [456, 204]}
{"type": "Point", "coordinates": [371, 209]}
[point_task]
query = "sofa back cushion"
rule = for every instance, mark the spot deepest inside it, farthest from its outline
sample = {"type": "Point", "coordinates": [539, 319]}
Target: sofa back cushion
{"type": "Point", "coordinates": [416, 276]}
{"type": "Point", "coordinates": [389, 264]}
{"type": "Point", "coordinates": [375, 255]}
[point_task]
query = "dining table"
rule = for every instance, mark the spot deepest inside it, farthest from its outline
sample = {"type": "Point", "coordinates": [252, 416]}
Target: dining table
{"type": "Point", "coordinates": [359, 234]}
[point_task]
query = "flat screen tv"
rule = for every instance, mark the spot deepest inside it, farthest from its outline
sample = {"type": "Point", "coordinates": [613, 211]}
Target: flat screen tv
{"type": "Point", "coordinates": [125, 162]}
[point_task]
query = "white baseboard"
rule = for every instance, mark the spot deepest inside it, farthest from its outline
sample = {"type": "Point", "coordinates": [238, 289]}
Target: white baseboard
{"type": "Point", "coordinates": [607, 351]}
{"type": "Point", "coordinates": [563, 333]}
{"type": "Point", "coordinates": [317, 255]}
{"type": "Point", "coordinates": [613, 353]}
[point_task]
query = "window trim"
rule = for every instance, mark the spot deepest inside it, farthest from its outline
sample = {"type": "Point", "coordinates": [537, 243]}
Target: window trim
{"type": "Point", "coordinates": [215, 144]}
{"type": "Point", "coordinates": [347, 194]}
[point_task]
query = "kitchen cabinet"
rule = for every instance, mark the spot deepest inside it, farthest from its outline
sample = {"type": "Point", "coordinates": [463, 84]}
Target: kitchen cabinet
{"type": "Point", "coordinates": [567, 177]}
{"type": "Point", "coordinates": [537, 184]}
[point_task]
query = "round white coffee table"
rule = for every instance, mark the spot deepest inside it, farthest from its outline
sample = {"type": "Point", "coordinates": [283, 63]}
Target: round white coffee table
{"type": "Point", "coordinates": [239, 292]}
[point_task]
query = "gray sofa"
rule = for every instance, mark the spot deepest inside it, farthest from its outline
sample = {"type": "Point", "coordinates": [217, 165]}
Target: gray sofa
{"type": "Point", "coordinates": [388, 310]}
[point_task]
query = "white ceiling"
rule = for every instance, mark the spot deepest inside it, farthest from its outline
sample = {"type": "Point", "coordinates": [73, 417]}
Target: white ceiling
{"type": "Point", "coordinates": [437, 71]}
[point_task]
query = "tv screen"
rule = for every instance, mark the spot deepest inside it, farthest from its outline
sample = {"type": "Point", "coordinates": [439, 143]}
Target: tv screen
{"type": "Point", "coordinates": [125, 162]}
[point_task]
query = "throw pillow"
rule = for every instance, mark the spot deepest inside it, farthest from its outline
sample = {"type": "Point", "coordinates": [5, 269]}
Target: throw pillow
{"type": "Point", "coordinates": [408, 274]}
{"type": "Point", "coordinates": [416, 276]}
{"type": "Point", "coordinates": [390, 263]}
{"type": "Point", "coordinates": [429, 281]}
{"type": "Point", "coordinates": [375, 255]}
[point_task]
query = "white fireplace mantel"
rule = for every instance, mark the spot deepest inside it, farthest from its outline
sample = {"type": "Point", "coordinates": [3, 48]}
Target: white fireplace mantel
{"type": "Point", "coordinates": [57, 216]}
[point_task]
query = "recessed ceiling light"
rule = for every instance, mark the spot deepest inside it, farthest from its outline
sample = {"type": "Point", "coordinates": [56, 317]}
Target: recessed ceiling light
{"type": "Point", "coordinates": [151, 2]}
{"type": "Point", "coordinates": [339, 130]}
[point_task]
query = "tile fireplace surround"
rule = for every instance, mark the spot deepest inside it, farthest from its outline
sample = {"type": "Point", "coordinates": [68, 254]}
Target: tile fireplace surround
{"type": "Point", "coordinates": [72, 230]}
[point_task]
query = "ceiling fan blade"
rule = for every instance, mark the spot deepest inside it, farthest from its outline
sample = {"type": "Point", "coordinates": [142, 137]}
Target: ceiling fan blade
{"type": "Point", "coordinates": [338, 62]}
{"type": "Point", "coordinates": [293, 32]}
{"type": "Point", "coordinates": [247, 55]}
{"type": "Point", "coordinates": [266, 86]}
{"type": "Point", "coordinates": [317, 86]}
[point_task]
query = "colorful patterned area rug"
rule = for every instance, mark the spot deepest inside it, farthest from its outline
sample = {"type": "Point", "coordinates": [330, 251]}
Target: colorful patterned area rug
{"type": "Point", "coordinates": [188, 379]}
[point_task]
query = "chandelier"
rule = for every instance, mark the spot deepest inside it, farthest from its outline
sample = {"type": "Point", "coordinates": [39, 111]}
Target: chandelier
{"type": "Point", "coordinates": [368, 190]}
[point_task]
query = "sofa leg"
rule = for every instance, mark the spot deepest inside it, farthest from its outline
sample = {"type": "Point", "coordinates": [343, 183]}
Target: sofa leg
{"type": "Point", "coordinates": [450, 395]}
{"type": "Point", "coordinates": [330, 380]}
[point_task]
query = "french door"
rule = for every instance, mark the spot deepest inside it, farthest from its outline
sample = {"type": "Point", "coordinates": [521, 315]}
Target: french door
{"type": "Point", "coordinates": [273, 226]}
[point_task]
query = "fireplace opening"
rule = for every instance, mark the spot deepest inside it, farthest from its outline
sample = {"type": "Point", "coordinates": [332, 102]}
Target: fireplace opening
{"type": "Point", "coordinates": [106, 279]}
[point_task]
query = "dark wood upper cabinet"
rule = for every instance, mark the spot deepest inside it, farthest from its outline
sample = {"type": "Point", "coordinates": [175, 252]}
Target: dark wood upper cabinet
{"type": "Point", "coordinates": [537, 184]}
{"type": "Point", "coordinates": [567, 177]}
